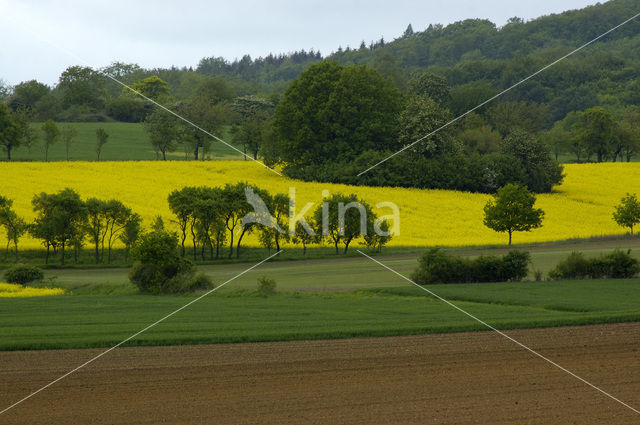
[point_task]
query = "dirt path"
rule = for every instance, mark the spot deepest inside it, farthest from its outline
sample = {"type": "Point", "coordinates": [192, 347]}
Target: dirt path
{"type": "Point", "coordinates": [467, 378]}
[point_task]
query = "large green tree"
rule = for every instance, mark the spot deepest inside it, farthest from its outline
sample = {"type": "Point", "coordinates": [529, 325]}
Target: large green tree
{"type": "Point", "coordinates": [152, 87]}
{"type": "Point", "coordinates": [512, 210]}
{"type": "Point", "coordinates": [163, 129]}
{"type": "Point", "coordinates": [332, 111]}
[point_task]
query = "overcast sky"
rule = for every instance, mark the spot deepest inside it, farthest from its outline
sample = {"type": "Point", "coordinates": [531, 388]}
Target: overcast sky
{"type": "Point", "coordinates": [41, 37]}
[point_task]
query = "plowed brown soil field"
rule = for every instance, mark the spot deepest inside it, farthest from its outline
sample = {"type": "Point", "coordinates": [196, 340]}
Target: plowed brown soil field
{"type": "Point", "coordinates": [465, 378]}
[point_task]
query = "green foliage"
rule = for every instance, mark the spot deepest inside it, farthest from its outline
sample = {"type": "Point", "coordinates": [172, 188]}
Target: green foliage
{"type": "Point", "coordinates": [512, 211]}
{"type": "Point", "coordinates": [9, 132]}
{"type": "Point", "coordinates": [436, 266]}
{"type": "Point", "coordinates": [14, 225]}
{"type": "Point", "coordinates": [128, 109]}
{"type": "Point", "coordinates": [627, 214]}
{"type": "Point", "coordinates": [615, 265]}
{"type": "Point", "coordinates": [82, 87]}
{"type": "Point", "coordinates": [101, 139]}
{"type": "Point", "coordinates": [158, 267]}
{"type": "Point", "coordinates": [51, 135]}
{"type": "Point", "coordinates": [23, 274]}
{"type": "Point", "coordinates": [152, 87]}
{"type": "Point", "coordinates": [163, 130]}
{"type": "Point", "coordinates": [343, 219]}
{"type": "Point", "coordinates": [332, 112]}
{"type": "Point", "coordinates": [60, 219]}
{"type": "Point", "coordinates": [266, 286]}
{"type": "Point", "coordinates": [432, 86]}
{"type": "Point", "coordinates": [595, 131]}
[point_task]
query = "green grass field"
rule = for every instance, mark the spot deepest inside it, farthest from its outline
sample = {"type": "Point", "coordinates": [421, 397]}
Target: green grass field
{"type": "Point", "coordinates": [127, 141]}
{"type": "Point", "coordinates": [236, 315]}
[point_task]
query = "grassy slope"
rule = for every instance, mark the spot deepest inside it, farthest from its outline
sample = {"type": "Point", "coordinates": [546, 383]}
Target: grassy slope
{"type": "Point", "coordinates": [127, 141]}
{"type": "Point", "coordinates": [103, 320]}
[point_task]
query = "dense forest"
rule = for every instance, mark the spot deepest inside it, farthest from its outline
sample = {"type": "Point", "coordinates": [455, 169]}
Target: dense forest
{"type": "Point", "coordinates": [584, 108]}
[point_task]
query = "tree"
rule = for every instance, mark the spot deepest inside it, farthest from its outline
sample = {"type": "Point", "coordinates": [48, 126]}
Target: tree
{"type": "Point", "coordinates": [627, 214]}
{"type": "Point", "coordinates": [67, 134]}
{"type": "Point", "coordinates": [158, 266]}
{"type": "Point", "coordinates": [528, 116]}
{"type": "Point", "coordinates": [542, 172]}
{"type": "Point", "coordinates": [378, 235]}
{"type": "Point", "coordinates": [27, 95]}
{"type": "Point", "coordinates": [152, 87]}
{"type": "Point", "coordinates": [305, 238]}
{"type": "Point", "coordinates": [82, 86]}
{"type": "Point", "coordinates": [421, 116]}
{"type": "Point", "coordinates": [96, 225]}
{"type": "Point", "coordinates": [27, 134]}
{"type": "Point", "coordinates": [131, 232]}
{"type": "Point", "coordinates": [163, 131]}
{"type": "Point", "coordinates": [432, 86]}
{"type": "Point", "coordinates": [182, 204]}
{"type": "Point", "coordinates": [60, 218]}
{"type": "Point", "coordinates": [408, 32]}
{"type": "Point", "coordinates": [51, 135]}
{"type": "Point", "coordinates": [344, 219]}
{"type": "Point", "coordinates": [117, 215]}
{"type": "Point", "coordinates": [595, 130]}
{"type": "Point", "coordinates": [9, 134]}
{"type": "Point", "coordinates": [512, 211]}
{"type": "Point", "coordinates": [334, 112]}
{"type": "Point", "coordinates": [14, 225]}
{"type": "Point", "coordinates": [101, 140]}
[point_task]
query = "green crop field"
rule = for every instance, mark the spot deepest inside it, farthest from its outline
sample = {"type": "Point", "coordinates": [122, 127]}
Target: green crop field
{"type": "Point", "coordinates": [127, 141]}
{"type": "Point", "coordinates": [234, 316]}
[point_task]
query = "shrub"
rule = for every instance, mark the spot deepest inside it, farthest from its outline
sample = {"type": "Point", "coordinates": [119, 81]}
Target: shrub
{"type": "Point", "coordinates": [266, 286]}
{"type": "Point", "coordinates": [615, 265]}
{"type": "Point", "coordinates": [158, 267]}
{"type": "Point", "coordinates": [23, 274]}
{"type": "Point", "coordinates": [436, 266]}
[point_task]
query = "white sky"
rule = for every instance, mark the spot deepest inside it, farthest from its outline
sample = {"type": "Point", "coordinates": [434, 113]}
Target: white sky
{"type": "Point", "coordinates": [161, 33]}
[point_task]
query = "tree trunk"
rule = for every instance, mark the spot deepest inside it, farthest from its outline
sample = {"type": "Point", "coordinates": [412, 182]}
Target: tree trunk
{"type": "Point", "coordinates": [277, 238]}
{"type": "Point", "coordinates": [46, 258]}
{"type": "Point", "coordinates": [164, 154]}
{"type": "Point", "coordinates": [15, 243]}
{"type": "Point", "coordinates": [195, 153]}
{"type": "Point", "coordinates": [335, 243]}
{"type": "Point", "coordinates": [244, 229]}
{"type": "Point", "coordinates": [346, 247]}
{"type": "Point", "coordinates": [304, 249]}
{"type": "Point", "coordinates": [97, 252]}
{"type": "Point", "coordinates": [231, 244]}
{"type": "Point", "coordinates": [510, 231]}
{"type": "Point", "coordinates": [8, 153]}
{"type": "Point", "coordinates": [62, 251]}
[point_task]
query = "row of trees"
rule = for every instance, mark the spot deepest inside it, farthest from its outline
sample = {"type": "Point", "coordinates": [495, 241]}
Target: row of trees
{"type": "Point", "coordinates": [210, 218]}
{"type": "Point", "coordinates": [16, 131]}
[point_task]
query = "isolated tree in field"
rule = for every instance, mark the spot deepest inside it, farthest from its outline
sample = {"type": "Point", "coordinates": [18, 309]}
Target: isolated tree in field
{"type": "Point", "coordinates": [627, 214]}
{"type": "Point", "coordinates": [343, 219]}
{"type": "Point", "coordinates": [101, 140]}
{"type": "Point", "coordinates": [14, 225]}
{"type": "Point", "coordinates": [163, 131]}
{"type": "Point", "coordinates": [9, 134]}
{"type": "Point", "coordinates": [67, 134]}
{"type": "Point", "coordinates": [51, 135]}
{"type": "Point", "coordinates": [512, 211]}
{"type": "Point", "coordinates": [60, 218]}
{"type": "Point", "coordinates": [152, 87]}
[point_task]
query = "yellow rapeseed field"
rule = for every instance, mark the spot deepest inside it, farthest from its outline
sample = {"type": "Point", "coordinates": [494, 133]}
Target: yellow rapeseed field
{"type": "Point", "coordinates": [581, 207]}
{"type": "Point", "coordinates": [12, 290]}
